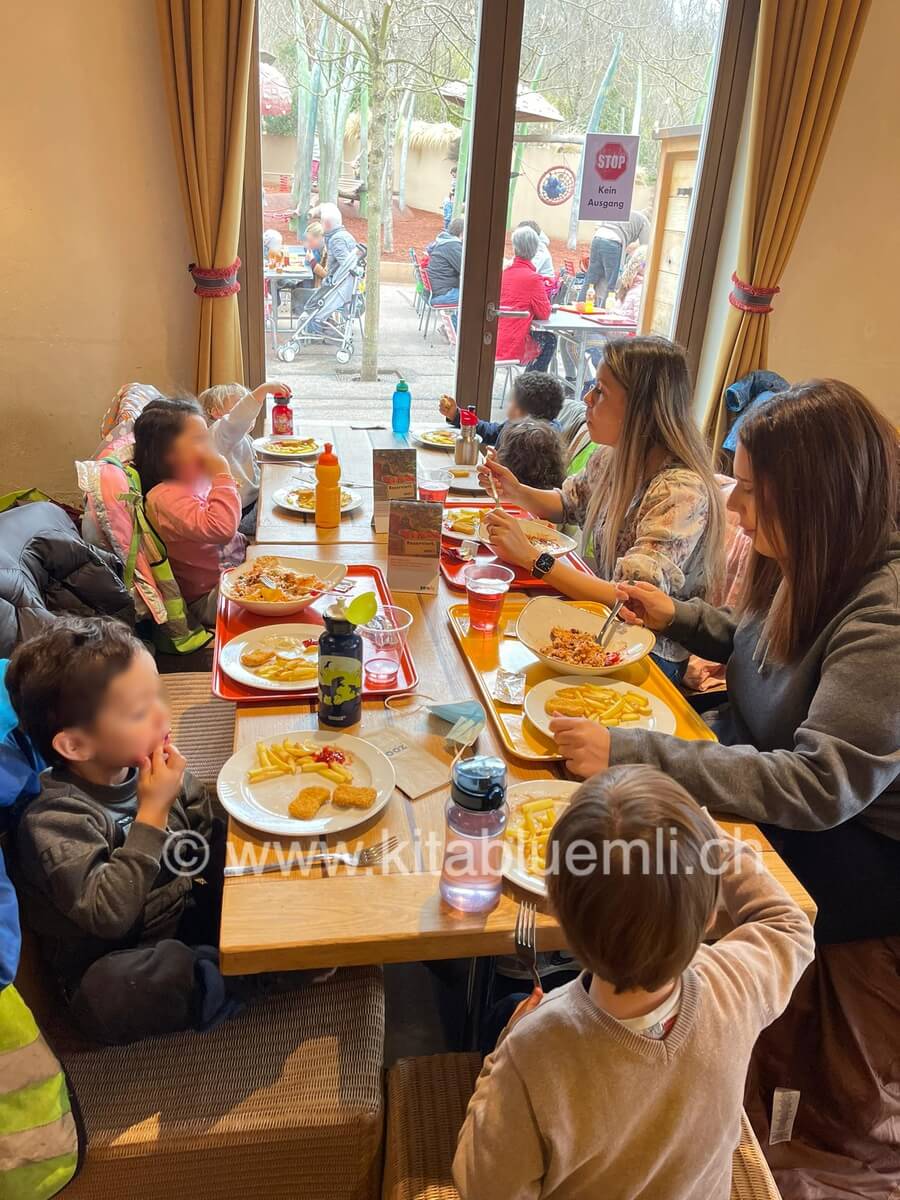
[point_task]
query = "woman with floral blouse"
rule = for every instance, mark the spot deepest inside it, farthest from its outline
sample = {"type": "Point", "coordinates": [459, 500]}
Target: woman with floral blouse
{"type": "Point", "coordinates": [647, 501]}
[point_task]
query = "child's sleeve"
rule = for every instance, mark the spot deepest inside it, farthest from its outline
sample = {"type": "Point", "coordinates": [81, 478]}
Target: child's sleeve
{"type": "Point", "coordinates": [500, 1148]}
{"type": "Point", "coordinates": [197, 804]}
{"type": "Point", "coordinates": [213, 520]}
{"type": "Point", "coordinates": [235, 425]}
{"type": "Point", "coordinates": [489, 431]}
{"type": "Point", "coordinates": [65, 854]}
{"type": "Point", "coordinates": [762, 959]}
{"type": "Point", "coordinates": [10, 934]}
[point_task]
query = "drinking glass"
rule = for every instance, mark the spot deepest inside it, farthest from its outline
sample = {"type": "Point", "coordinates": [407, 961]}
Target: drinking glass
{"type": "Point", "coordinates": [386, 635]}
{"type": "Point", "coordinates": [486, 587]}
{"type": "Point", "coordinates": [434, 486]}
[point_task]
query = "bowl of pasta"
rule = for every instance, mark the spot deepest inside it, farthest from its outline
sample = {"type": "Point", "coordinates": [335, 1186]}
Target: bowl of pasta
{"type": "Point", "coordinates": [274, 585]}
{"type": "Point", "coordinates": [564, 637]}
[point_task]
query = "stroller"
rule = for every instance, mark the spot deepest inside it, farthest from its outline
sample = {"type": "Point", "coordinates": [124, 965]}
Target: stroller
{"type": "Point", "coordinates": [337, 308]}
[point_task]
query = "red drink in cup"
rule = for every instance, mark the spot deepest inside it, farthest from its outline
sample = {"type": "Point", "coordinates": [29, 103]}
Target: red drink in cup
{"type": "Point", "coordinates": [486, 588]}
{"type": "Point", "coordinates": [434, 486]}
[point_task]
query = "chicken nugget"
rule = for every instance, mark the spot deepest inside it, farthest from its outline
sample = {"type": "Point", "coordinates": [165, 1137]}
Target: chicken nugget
{"type": "Point", "coordinates": [257, 658]}
{"type": "Point", "coordinates": [346, 795]}
{"type": "Point", "coordinates": [307, 803]}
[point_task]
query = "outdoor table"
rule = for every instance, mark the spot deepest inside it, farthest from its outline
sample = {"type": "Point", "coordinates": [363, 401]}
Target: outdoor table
{"type": "Point", "coordinates": [575, 328]}
{"type": "Point", "coordinates": [326, 917]}
{"type": "Point", "coordinates": [294, 274]}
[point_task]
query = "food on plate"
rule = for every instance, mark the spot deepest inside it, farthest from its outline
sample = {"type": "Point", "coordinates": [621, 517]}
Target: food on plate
{"type": "Point", "coordinates": [543, 541]}
{"type": "Point", "coordinates": [579, 648]}
{"type": "Point", "coordinates": [347, 796]}
{"type": "Point", "coordinates": [604, 705]}
{"type": "Point", "coordinates": [307, 803]}
{"type": "Point", "coordinates": [266, 579]}
{"type": "Point", "coordinates": [462, 520]}
{"type": "Point", "coordinates": [461, 472]}
{"type": "Point", "coordinates": [300, 758]}
{"type": "Point", "coordinates": [529, 830]}
{"type": "Point", "coordinates": [291, 447]}
{"type": "Point", "coordinates": [440, 437]}
{"type": "Point", "coordinates": [305, 498]}
{"type": "Point", "coordinates": [283, 659]}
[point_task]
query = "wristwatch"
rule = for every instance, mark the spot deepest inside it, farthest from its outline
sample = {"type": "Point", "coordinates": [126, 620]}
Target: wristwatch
{"type": "Point", "coordinates": [542, 565]}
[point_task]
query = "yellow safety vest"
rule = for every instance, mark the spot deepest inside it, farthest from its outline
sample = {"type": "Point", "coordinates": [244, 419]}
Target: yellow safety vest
{"type": "Point", "coordinates": [38, 1136]}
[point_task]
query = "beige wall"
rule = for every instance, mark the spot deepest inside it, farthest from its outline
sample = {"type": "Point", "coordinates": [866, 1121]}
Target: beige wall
{"type": "Point", "coordinates": [837, 314]}
{"type": "Point", "coordinates": [94, 290]}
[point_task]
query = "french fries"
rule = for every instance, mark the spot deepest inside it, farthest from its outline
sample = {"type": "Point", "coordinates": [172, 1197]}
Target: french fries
{"type": "Point", "coordinates": [296, 758]}
{"type": "Point", "coordinates": [463, 520]}
{"type": "Point", "coordinates": [529, 831]}
{"type": "Point", "coordinates": [283, 670]}
{"type": "Point", "coordinates": [601, 704]}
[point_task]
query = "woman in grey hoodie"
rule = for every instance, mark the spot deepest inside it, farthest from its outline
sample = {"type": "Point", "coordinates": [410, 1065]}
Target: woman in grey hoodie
{"type": "Point", "coordinates": [809, 739]}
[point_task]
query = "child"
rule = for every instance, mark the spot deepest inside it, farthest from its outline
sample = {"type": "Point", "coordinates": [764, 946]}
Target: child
{"type": "Point", "coordinates": [534, 394]}
{"type": "Point", "coordinates": [109, 852]}
{"type": "Point", "coordinates": [316, 251]}
{"type": "Point", "coordinates": [630, 1079]}
{"type": "Point", "coordinates": [192, 500]}
{"type": "Point", "coordinates": [231, 411]}
{"type": "Point", "coordinates": [532, 450]}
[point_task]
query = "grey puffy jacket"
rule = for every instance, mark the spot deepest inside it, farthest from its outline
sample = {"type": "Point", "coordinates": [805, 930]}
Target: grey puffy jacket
{"type": "Point", "coordinates": [47, 570]}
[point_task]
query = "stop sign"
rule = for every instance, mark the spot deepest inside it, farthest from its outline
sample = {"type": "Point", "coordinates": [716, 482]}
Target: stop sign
{"type": "Point", "coordinates": [611, 161]}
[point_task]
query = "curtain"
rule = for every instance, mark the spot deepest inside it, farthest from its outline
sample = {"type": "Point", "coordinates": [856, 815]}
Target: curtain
{"type": "Point", "coordinates": [804, 52]}
{"type": "Point", "coordinates": [207, 47]}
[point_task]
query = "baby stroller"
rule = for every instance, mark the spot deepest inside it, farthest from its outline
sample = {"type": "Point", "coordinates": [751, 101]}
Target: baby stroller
{"type": "Point", "coordinates": [332, 312]}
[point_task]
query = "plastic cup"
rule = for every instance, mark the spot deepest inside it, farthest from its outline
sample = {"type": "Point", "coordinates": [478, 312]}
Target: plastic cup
{"type": "Point", "coordinates": [386, 636]}
{"type": "Point", "coordinates": [486, 588]}
{"type": "Point", "coordinates": [434, 486]}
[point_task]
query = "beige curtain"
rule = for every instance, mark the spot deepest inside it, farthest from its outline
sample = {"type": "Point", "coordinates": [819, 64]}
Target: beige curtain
{"type": "Point", "coordinates": [804, 52]}
{"type": "Point", "coordinates": [207, 47]}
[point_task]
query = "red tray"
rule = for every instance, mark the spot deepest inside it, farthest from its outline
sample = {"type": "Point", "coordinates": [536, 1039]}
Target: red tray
{"type": "Point", "coordinates": [452, 569]}
{"type": "Point", "coordinates": [231, 620]}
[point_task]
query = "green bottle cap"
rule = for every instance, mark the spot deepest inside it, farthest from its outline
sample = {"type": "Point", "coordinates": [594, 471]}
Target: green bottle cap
{"type": "Point", "coordinates": [402, 386]}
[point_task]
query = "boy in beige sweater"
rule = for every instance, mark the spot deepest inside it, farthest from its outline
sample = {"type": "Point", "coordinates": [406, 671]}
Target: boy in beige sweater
{"type": "Point", "coordinates": [629, 1081]}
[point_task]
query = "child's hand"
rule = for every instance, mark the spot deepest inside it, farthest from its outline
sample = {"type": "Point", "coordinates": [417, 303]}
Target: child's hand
{"type": "Point", "coordinates": [275, 387]}
{"type": "Point", "coordinates": [215, 463]}
{"type": "Point", "coordinates": [159, 781]}
{"type": "Point", "coordinates": [583, 744]}
{"type": "Point", "coordinates": [448, 408]}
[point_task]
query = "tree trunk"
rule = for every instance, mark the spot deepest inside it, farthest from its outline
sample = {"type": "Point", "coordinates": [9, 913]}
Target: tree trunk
{"type": "Point", "coordinates": [377, 121]}
{"type": "Point", "coordinates": [465, 140]}
{"type": "Point", "coordinates": [307, 102]}
{"type": "Point", "coordinates": [363, 143]}
{"type": "Point", "coordinates": [404, 148]}
{"type": "Point", "coordinates": [387, 216]}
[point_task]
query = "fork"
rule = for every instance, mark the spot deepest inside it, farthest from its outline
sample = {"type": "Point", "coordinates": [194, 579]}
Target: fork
{"type": "Point", "coordinates": [371, 856]}
{"type": "Point", "coordinates": [526, 939]}
{"type": "Point", "coordinates": [609, 624]}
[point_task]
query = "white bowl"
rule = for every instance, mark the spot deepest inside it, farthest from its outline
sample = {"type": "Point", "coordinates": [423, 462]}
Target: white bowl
{"type": "Point", "coordinates": [329, 573]}
{"type": "Point", "coordinates": [543, 613]}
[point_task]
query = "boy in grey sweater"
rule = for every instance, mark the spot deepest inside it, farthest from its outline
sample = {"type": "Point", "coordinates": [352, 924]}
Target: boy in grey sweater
{"type": "Point", "coordinates": [629, 1081]}
{"type": "Point", "coordinates": [108, 855]}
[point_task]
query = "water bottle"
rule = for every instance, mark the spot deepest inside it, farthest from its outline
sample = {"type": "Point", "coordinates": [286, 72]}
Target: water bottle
{"type": "Point", "coordinates": [476, 815]}
{"type": "Point", "coordinates": [340, 670]}
{"type": "Point", "coordinates": [465, 452]}
{"type": "Point", "coordinates": [400, 408]}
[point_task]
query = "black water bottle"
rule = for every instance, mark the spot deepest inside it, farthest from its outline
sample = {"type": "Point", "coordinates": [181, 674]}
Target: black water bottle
{"type": "Point", "coordinates": [340, 670]}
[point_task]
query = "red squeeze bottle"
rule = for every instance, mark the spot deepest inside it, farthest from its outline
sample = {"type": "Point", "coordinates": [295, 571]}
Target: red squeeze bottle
{"type": "Point", "coordinates": [282, 416]}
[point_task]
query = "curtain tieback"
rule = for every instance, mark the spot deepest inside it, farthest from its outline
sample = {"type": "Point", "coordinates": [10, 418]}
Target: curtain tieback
{"type": "Point", "coordinates": [751, 299]}
{"type": "Point", "coordinates": [214, 282]}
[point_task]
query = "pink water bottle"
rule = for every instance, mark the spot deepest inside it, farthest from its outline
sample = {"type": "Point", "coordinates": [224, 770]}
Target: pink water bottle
{"type": "Point", "coordinates": [477, 813]}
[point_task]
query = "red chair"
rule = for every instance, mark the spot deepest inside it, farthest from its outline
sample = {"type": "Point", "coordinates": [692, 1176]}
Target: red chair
{"type": "Point", "coordinates": [429, 306]}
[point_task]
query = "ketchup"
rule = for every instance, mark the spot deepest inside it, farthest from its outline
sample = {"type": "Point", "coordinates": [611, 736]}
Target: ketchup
{"type": "Point", "coordinates": [329, 754]}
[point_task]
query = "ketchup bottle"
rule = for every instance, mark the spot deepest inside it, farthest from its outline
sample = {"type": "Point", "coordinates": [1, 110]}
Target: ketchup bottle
{"type": "Point", "coordinates": [282, 415]}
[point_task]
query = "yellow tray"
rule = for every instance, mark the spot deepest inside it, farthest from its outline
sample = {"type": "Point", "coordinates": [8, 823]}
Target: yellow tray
{"type": "Point", "coordinates": [486, 652]}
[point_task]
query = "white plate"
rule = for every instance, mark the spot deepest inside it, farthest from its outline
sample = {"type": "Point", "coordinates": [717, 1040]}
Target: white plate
{"type": "Point", "coordinates": [329, 573]}
{"type": "Point", "coordinates": [542, 613]}
{"type": "Point", "coordinates": [563, 544]}
{"type": "Point", "coordinates": [421, 436]}
{"type": "Point", "coordinates": [230, 657]}
{"type": "Point", "coordinates": [660, 720]}
{"type": "Point", "coordinates": [263, 445]}
{"type": "Point", "coordinates": [533, 789]}
{"type": "Point", "coordinates": [460, 537]}
{"type": "Point", "coordinates": [265, 805]}
{"type": "Point", "coordinates": [281, 499]}
{"type": "Point", "coordinates": [466, 483]}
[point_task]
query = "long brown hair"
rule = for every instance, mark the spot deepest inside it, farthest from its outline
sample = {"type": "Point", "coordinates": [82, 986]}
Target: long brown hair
{"type": "Point", "coordinates": [826, 487]}
{"type": "Point", "coordinates": [655, 376]}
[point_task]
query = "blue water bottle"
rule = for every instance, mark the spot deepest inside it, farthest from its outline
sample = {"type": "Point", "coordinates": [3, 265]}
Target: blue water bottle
{"type": "Point", "coordinates": [400, 406]}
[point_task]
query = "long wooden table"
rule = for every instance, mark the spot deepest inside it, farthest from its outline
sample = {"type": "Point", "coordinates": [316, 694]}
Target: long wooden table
{"type": "Point", "coordinates": [336, 917]}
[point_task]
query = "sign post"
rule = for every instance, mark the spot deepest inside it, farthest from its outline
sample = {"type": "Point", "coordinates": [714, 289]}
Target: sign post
{"type": "Point", "coordinates": [610, 162]}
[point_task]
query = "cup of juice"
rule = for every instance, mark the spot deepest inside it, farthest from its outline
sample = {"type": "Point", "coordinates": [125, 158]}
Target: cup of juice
{"type": "Point", "coordinates": [486, 588]}
{"type": "Point", "coordinates": [434, 486]}
{"type": "Point", "coordinates": [385, 636]}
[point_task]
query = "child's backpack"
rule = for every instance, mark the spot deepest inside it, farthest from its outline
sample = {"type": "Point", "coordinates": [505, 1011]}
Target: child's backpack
{"type": "Point", "coordinates": [115, 519]}
{"type": "Point", "coordinates": [117, 426]}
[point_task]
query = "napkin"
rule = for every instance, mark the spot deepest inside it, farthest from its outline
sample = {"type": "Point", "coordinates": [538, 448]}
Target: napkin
{"type": "Point", "coordinates": [466, 718]}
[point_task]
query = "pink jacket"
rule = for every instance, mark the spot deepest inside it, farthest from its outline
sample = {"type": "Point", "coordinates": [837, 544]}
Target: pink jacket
{"type": "Point", "coordinates": [200, 529]}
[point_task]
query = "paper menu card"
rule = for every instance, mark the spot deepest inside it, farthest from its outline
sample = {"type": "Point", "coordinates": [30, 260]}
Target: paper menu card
{"type": "Point", "coordinates": [414, 545]}
{"type": "Point", "coordinates": [393, 478]}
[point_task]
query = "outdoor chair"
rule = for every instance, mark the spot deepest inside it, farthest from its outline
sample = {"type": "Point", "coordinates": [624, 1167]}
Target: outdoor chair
{"type": "Point", "coordinates": [426, 1100]}
{"type": "Point", "coordinates": [419, 293]}
{"type": "Point", "coordinates": [509, 368]}
{"type": "Point", "coordinates": [430, 306]}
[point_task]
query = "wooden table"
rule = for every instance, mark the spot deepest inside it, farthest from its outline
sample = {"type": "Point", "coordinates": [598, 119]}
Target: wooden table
{"type": "Point", "coordinates": [335, 917]}
{"type": "Point", "coordinates": [354, 450]}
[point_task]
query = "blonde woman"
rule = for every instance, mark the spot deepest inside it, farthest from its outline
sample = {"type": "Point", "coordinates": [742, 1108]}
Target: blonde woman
{"type": "Point", "coordinates": [647, 501]}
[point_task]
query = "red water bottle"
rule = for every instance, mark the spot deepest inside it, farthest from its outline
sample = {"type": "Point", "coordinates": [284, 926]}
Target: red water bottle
{"type": "Point", "coordinates": [282, 415]}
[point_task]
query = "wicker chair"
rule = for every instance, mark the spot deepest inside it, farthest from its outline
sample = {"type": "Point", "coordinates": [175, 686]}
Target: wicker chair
{"type": "Point", "coordinates": [284, 1100]}
{"type": "Point", "coordinates": [427, 1100]}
